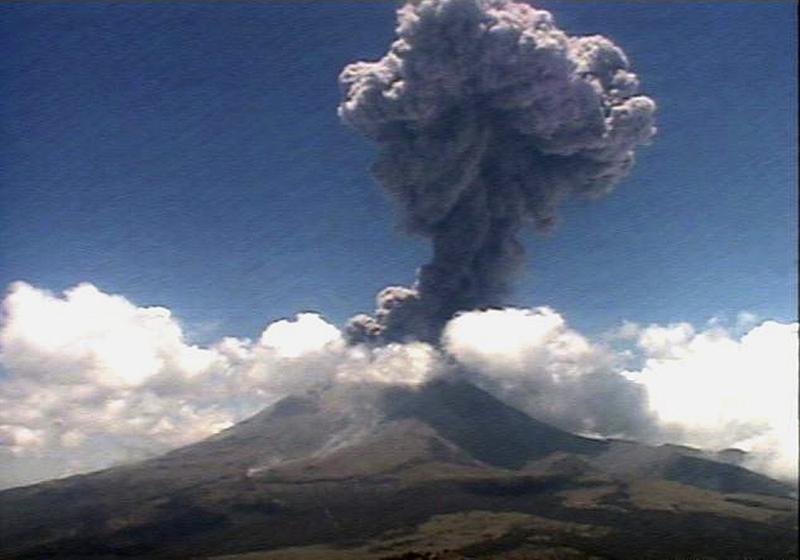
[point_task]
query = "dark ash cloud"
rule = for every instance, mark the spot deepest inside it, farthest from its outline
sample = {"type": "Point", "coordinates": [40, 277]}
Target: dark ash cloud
{"type": "Point", "coordinates": [486, 116]}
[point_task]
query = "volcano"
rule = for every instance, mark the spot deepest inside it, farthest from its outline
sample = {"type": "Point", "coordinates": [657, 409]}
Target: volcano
{"type": "Point", "coordinates": [443, 470]}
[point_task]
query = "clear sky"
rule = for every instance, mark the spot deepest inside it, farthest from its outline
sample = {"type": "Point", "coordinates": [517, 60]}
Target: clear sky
{"type": "Point", "coordinates": [190, 156]}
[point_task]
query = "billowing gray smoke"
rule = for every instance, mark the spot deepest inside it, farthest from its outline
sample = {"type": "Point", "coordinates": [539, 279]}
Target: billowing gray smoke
{"type": "Point", "coordinates": [486, 116]}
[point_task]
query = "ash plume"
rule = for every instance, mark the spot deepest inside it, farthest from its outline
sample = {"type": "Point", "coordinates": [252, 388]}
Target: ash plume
{"type": "Point", "coordinates": [486, 116]}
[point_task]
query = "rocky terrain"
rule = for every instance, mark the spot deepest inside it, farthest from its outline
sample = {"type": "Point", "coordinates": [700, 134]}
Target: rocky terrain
{"type": "Point", "coordinates": [441, 471]}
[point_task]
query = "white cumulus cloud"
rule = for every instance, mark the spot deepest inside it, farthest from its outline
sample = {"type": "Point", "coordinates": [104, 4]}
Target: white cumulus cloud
{"type": "Point", "coordinates": [709, 389]}
{"type": "Point", "coordinates": [89, 379]}
{"type": "Point", "coordinates": [531, 358]}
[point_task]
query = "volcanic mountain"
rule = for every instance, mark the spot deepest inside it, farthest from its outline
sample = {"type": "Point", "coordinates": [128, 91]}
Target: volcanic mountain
{"type": "Point", "coordinates": [444, 470]}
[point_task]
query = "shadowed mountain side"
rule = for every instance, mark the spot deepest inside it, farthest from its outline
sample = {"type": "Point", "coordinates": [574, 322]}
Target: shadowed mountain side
{"type": "Point", "coordinates": [484, 427]}
{"type": "Point", "coordinates": [347, 463]}
{"type": "Point", "coordinates": [685, 465]}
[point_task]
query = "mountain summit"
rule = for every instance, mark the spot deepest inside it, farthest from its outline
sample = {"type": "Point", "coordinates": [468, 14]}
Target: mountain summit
{"type": "Point", "coordinates": [444, 470]}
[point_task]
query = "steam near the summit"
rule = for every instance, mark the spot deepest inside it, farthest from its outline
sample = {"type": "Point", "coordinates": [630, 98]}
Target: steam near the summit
{"type": "Point", "coordinates": [486, 116]}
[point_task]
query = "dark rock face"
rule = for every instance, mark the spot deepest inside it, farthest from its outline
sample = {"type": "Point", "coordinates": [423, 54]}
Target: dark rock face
{"type": "Point", "coordinates": [490, 431]}
{"type": "Point", "coordinates": [720, 477]}
{"type": "Point", "coordinates": [345, 464]}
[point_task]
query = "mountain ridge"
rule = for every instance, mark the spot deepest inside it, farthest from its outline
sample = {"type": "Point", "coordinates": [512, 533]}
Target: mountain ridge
{"type": "Point", "coordinates": [347, 463]}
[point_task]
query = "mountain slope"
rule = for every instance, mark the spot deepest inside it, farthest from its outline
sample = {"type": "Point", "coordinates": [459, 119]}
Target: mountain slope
{"type": "Point", "coordinates": [345, 464]}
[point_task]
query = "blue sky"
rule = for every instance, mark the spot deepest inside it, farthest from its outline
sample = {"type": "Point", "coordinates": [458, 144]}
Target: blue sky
{"type": "Point", "coordinates": [190, 156]}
